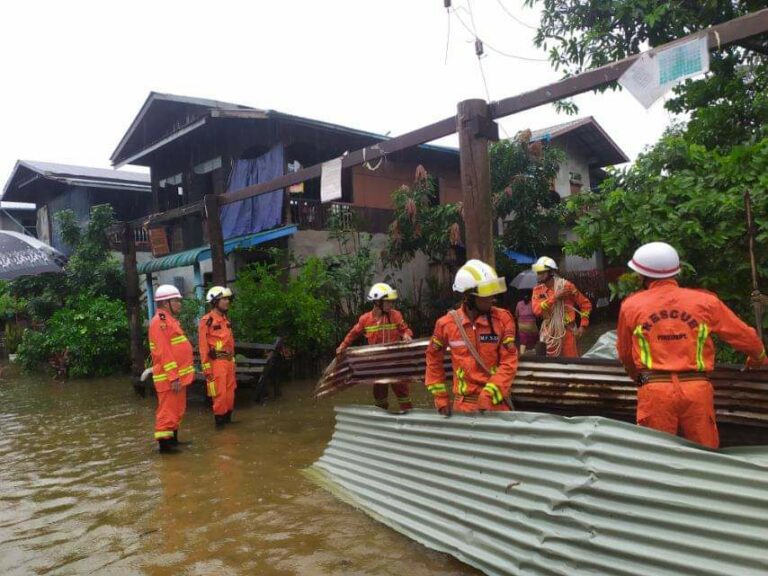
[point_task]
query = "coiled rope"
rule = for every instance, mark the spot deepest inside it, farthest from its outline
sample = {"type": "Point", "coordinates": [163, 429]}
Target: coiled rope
{"type": "Point", "coordinates": [553, 327]}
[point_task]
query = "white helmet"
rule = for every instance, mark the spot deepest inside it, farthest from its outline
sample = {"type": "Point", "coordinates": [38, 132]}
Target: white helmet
{"type": "Point", "coordinates": [381, 291]}
{"type": "Point", "coordinates": [216, 293]}
{"type": "Point", "coordinates": [656, 260]}
{"type": "Point", "coordinates": [543, 264]}
{"type": "Point", "coordinates": [167, 292]}
{"type": "Point", "coordinates": [478, 278]}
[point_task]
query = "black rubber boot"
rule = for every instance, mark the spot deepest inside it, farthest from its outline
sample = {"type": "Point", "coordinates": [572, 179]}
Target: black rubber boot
{"type": "Point", "coordinates": [166, 446]}
{"type": "Point", "coordinates": [228, 417]}
{"type": "Point", "coordinates": [220, 421]}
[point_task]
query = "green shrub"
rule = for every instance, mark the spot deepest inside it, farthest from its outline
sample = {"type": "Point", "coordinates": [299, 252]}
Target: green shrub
{"type": "Point", "coordinates": [13, 336]}
{"type": "Point", "coordinates": [33, 350]}
{"type": "Point", "coordinates": [269, 305]}
{"type": "Point", "coordinates": [89, 336]}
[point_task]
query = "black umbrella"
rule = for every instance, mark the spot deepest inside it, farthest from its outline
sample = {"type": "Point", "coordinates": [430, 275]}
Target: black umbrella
{"type": "Point", "coordinates": [22, 255]}
{"type": "Point", "coordinates": [525, 280]}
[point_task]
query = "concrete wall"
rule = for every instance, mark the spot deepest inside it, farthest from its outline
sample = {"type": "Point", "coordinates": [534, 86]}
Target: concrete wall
{"type": "Point", "coordinates": [575, 162]}
{"type": "Point", "coordinates": [306, 243]}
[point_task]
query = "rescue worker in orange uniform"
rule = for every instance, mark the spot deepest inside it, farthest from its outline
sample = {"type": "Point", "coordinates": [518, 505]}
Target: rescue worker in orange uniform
{"type": "Point", "coordinates": [559, 303]}
{"type": "Point", "coordinates": [382, 325]}
{"type": "Point", "coordinates": [217, 354]}
{"type": "Point", "coordinates": [664, 342]}
{"type": "Point", "coordinates": [172, 366]}
{"type": "Point", "coordinates": [477, 386]}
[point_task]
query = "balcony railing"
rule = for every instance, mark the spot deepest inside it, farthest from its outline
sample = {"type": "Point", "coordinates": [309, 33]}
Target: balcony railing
{"type": "Point", "coordinates": [140, 237]}
{"type": "Point", "coordinates": [312, 215]}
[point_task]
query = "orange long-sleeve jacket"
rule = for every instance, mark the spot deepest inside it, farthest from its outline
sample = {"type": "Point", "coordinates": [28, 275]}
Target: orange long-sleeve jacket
{"type": "Point", "coordinates": [576, 304]}
{"type": "Point", "coordinates": [387, 328]}
{"type": "Point", "coordinates": [172, 355]}
{"type": "Point", "coordinates": [668, 328]}
{"type": "Point", "coordinates": [496, 346]}
{"type": "Point", "coordinates": [214, 334]}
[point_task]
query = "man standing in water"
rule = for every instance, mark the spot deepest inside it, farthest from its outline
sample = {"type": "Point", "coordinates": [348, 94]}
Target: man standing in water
{"type": "Point", "coordinates": [482, 342]}
{"type": "Point", "coordinates": [172, 366]}
{"type": "Point", "coordinates": [382, 325]}
{"type": "Point", "coordinates": [217, 354]}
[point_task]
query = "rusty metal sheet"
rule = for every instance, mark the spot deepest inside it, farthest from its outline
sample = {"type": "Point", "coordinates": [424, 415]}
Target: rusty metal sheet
{"type": "Point", "coordinates": [570, 386]}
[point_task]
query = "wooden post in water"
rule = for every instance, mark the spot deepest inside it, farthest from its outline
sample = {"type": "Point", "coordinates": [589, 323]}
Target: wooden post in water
{"type": "Point", "coordinates": [476, 129]}
{"type": "Point", "coordinates": [216, 239]}
{"type": "Point", "coordinates": [133, 306]}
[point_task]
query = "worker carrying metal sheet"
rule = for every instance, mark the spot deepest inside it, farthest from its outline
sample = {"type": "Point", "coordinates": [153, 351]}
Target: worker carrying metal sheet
{"type": "Point", "coordinates": [559, 303]}
{"type": "Point", "coordinates": [481, 338]}
{"type": "Point", "coordinates": [217, 354]}
{"type": "Point", "coordinates": [664, 342]}
{"type": "Point", "coordinates": [172, 366]}
{"type": "Point", "coordinates": [382, 325]}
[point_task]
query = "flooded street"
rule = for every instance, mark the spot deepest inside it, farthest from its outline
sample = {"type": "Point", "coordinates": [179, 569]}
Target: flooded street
{"type": "Point", "coordinates": [83, 490]}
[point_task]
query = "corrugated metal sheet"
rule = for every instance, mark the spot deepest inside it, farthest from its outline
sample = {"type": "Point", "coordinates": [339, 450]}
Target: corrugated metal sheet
{"type": "Point", "coordinates": [525, 493]}
{"type": "Point", "coordinates": [570, 386]}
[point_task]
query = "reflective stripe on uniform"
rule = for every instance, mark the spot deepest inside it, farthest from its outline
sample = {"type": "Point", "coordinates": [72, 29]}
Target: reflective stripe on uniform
{"type": "Point", "coordinates": [163, 434]}
{"type": "Point", "coordinates": [496, 396]}
{"type": "Point", "coordinates": [219, 345]}
{"type": "Point", "coordinates": [700, 342]}
{"type": "Point", "coordinates": [206, 365]}
{"type": "Point", "coordinates": [170, 365]}
{"type": "Point", "coordinates": [645, 348]}
{"type": "Point", "coordinates": [437, 388]}
{"type": "Point", "coordinates": [159, 377]}
{"type": "Point", "coordinates": [186, 370]}
{"type": "Point", "coordinates": [379, 327]}
{"type": "Point", "coordinates": [462, 382]}
{"type": "Point", "coordinates": [212, 388]}
{"type": "Point", "coordinates": [179, 339]}
{"type": "Point", "coordinates": [152, 346]}
{"type": "Point", "coordinates": [437, 342]}
{"type": "Point", "coordinates": [508, 340]}
{"type": "Point", "coordinates": [545, 305]}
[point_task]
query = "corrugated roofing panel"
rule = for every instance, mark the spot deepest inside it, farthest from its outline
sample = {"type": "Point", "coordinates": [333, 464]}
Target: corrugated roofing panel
{"type": "Point", "coordinates": [526, 493]}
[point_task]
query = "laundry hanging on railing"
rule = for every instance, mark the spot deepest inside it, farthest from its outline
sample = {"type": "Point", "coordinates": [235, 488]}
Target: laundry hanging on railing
{"type": "Point", "coordinates": [262, 212]}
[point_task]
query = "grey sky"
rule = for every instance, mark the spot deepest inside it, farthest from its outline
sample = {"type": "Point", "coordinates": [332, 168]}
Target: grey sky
{"type": "Point", "coordinates": [76, 72]}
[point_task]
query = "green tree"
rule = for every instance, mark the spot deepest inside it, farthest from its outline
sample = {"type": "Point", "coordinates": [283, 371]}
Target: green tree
{"type": "Point", "coordinates": [521, 186]}
{"type": "Point", "coordinates": [691, 197]}
{"type": "Point", "coordinates": [728, 107]}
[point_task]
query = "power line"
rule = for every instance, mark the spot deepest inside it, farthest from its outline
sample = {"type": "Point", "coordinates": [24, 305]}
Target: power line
{"type": "Point", "coordinates": [448, 38]}
{"type": "Point", "coordinates": [515, 18]}
{"type": "Point", "coordinates": [490, 47]}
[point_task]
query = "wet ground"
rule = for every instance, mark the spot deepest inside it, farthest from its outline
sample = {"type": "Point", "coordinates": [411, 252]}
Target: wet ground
{"type": "Point", "coordinates": [83, 490]}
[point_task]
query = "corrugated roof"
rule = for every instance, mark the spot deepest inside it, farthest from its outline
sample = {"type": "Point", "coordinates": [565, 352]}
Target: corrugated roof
{"type": "Point", "coordinates": [590, 135]}
{"type": "Point", "coordinates": [50, 169]}
{"type": "Point", "coordinates": [75, 176]}
{"type": "Point", "coordinates": [190, 257]}
{"type": "Point", "coordinates": [527, 493]}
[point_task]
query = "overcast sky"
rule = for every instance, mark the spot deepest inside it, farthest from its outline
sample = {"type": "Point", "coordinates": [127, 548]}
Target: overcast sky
{"type": "Point", "coordinates": [76, 73]}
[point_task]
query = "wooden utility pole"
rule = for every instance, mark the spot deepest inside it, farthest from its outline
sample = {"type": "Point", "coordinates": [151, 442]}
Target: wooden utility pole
{"type": "Point", "coordinates": [476, 129]}
{"type": "Point", "coordinates": [133, 306]}
{"type": "Point", "coordinates": [216, 239]}
{"type": "Point", "coordinates": [753, 262]}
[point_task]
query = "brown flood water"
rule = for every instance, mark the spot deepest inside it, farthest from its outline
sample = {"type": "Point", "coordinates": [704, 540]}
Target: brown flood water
{"type": "Point", "coordinates": [83, 491]}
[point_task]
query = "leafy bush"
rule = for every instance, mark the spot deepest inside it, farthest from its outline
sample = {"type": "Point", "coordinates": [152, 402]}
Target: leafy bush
{"type": "Point", "coordinates": [269, 305]}
{"type": "Point", "coordinates": [34, 350]}
{"type": "Point", "coordinates": [189, 317]}
{"type": "Point", "coordinates": [90, 336]}
{"type": "Point", "coordinates": [13, 336]}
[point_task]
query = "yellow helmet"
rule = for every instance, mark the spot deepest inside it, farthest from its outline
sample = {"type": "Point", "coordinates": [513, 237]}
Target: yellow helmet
{"type": "Point", "coordinates": [381, 291]}
{"type": "Point", "coordinates": [216, 293]}
{"type": "Point", "coordinates": [478, 278]}
{"type": "Point", "coordinates": [543, 264]}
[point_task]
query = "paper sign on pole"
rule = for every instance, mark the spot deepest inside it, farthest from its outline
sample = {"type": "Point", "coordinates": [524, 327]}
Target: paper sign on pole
{"type": "Point", "coordinates": [330, 180]}
{"type": "Point", "coordinates": [655, 73]}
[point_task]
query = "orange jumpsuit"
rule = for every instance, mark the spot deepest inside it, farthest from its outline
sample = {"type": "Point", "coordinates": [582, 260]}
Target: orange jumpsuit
{"type": "Point", "coordinates": [576, 304]}
{"type": "Point", "coordinates": [387, 328]}
{"type": "Point", "coordinates": [217, 356]}
{"type": "Point", "coordinates": [473, 388]}
{"type": "Point", "coordinates": [664, 339]}
{"type": "Point", "coordinates": [172, 359]}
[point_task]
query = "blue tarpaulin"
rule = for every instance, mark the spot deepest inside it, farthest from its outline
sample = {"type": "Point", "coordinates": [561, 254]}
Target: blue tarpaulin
{"type": "Point", "coordinates": [519, 258]}
{"type": "Point", "coordinates": [262, 212]}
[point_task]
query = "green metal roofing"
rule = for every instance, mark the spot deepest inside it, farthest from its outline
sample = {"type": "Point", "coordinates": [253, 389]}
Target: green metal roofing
{"type": "Point", "coordinates": [190, 257]}
{"type": "Point", "coordinates": [527, 493]}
